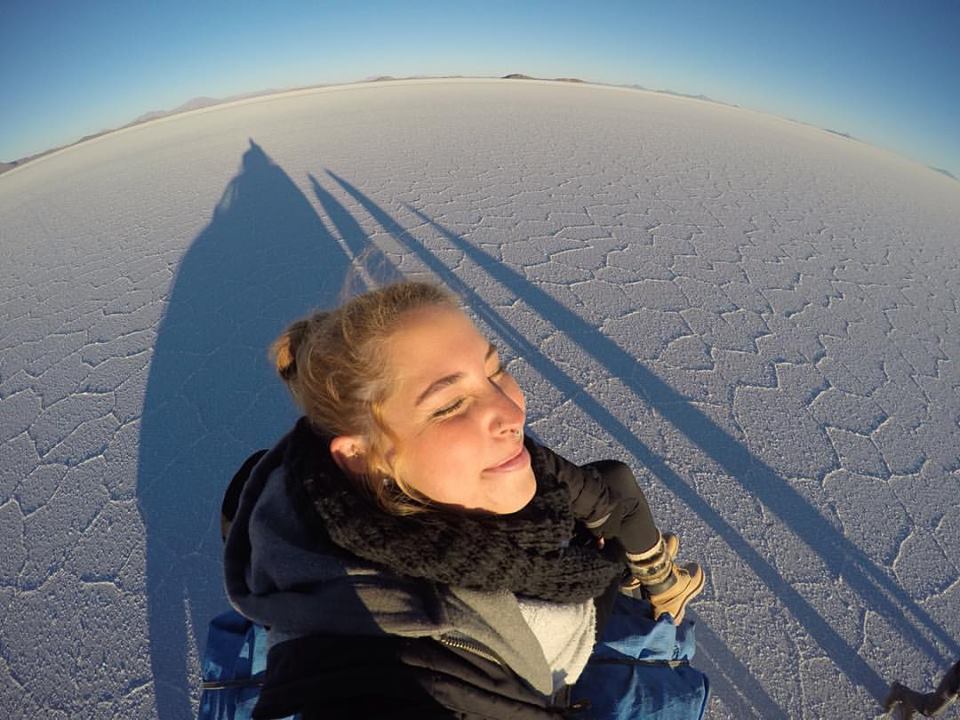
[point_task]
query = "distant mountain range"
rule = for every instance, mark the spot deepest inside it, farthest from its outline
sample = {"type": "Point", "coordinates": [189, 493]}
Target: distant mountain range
{"type": "Point", "coordinates": [203, 102]}
{"type": "Point", "coordinates": [194, 104]}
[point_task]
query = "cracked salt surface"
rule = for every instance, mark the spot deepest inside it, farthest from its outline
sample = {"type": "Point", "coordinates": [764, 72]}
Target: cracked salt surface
{"type": "Point", "coordinates": [760, 317]}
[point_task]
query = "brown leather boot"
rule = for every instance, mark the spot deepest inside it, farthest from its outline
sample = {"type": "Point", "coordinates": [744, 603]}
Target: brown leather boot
{"type": "Point", "coordinates": [672, 544]}
{"type": "Point", "coordinates": [668, 586]}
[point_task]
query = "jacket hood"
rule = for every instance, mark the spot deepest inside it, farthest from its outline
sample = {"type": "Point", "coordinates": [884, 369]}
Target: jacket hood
{"type": "Point", "coordinates": [283, 571]}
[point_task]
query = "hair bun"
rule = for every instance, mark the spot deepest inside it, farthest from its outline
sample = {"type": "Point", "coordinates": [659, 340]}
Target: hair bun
{"type": "Point", "coordinates": [285, 349]}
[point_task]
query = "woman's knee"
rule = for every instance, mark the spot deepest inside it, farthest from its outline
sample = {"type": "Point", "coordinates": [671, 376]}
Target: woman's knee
{"type": "Point", "coordinates": [617, 476]}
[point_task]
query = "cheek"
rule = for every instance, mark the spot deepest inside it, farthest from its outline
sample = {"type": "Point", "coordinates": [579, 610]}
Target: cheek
{"type": "Point", "coordinates": [438, 463]}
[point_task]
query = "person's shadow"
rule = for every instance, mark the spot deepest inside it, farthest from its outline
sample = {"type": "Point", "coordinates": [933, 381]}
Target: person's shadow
{"type": "Point", "coordinates": [212, 398]}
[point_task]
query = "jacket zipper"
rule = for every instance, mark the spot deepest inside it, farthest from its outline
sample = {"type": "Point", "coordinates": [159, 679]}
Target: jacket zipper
{"type": "Point", "coordinates": [476, 648]}
{"type": "Point", "coordinates": [471, 647]}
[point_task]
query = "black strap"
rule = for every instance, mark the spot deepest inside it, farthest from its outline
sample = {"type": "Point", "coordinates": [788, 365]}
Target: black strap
{"type": "Point", "coordinates": [255, 681]}
{"type": "Point", "coordinates": [640, 661]}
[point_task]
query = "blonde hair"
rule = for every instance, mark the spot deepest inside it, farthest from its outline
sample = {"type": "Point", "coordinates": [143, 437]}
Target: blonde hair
{"type": "Point", "coordinates": [335, 367]}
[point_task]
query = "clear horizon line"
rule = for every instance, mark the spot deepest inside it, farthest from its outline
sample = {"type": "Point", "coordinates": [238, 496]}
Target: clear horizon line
{"type": "Point", "coordinates": [163, 114]}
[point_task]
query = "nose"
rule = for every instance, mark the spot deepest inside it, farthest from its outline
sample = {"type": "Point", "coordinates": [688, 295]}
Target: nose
{"type": "Point", "coordinates": [508, 411]}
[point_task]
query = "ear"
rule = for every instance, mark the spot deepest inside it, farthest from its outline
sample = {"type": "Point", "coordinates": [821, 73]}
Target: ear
{"type": "Point", "coordinates": [348, 453]}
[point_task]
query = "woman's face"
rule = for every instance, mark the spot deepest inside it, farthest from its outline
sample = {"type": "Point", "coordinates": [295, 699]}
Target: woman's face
{"type": "Point", "coordinates": [456, 414]}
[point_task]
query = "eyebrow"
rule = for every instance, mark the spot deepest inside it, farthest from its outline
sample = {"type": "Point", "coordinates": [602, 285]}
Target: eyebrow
{"type": "Point", "coordinates": [448, 380]}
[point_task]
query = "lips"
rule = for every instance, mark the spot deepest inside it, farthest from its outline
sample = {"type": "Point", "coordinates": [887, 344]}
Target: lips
{"type": "Point", "coordinates": [521, 459]}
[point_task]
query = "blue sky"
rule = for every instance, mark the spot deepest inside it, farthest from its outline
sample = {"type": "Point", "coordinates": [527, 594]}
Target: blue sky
{"type": "Point", "coordinates": [886, 72]}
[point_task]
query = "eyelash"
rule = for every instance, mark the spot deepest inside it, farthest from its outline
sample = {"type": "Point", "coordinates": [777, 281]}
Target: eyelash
{"type": "Point", "coordinates": [450, 409]}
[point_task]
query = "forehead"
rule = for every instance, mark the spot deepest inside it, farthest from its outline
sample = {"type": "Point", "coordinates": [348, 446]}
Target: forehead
{"type": "Point", "coordinates": [433, 343]}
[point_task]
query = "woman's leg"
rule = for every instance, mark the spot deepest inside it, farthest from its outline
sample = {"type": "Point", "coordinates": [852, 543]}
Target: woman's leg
{"type": "Point", "coordinates": [631, 521]}
{"type": "Point", "coordinates": [668, 587]}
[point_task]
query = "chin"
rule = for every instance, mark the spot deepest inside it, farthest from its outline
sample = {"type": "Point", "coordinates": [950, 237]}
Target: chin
{"type": "Point", "coordinates": [520, 497]}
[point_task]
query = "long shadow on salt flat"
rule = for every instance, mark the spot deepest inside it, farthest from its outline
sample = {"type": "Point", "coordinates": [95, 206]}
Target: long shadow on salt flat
{"type": "Point", "coordinates": [735, 680]}
{"type": "Point", "coordinates": [264, 259]}
{"type": "Point", "coordinates": [841, 556]}
{"type": "Point", "coordinates": [367, 257]}
{"type": "Point", "coordinates": [741, 694]}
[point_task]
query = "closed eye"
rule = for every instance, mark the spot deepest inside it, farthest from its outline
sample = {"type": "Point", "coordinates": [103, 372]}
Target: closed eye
{"type": "Point", "coordinates": [453, 407]}
{"type": "Point", "coordinates": [449, 409]}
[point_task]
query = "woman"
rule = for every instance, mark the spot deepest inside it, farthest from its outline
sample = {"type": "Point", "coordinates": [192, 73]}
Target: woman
{"type": "Point", "coordinates": [413, 554]}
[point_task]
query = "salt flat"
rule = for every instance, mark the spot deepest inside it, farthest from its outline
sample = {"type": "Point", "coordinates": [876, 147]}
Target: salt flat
{"type": "Point", "coordinates": [759, 316]}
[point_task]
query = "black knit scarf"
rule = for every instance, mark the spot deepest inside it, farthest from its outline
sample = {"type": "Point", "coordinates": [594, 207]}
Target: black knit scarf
{"type": "Point", "coordinates": [530, 552]}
